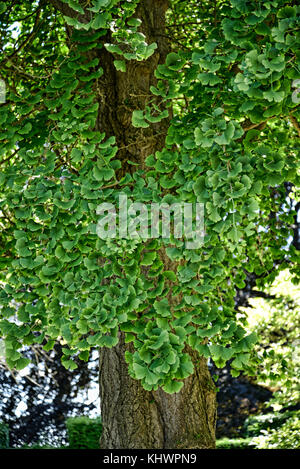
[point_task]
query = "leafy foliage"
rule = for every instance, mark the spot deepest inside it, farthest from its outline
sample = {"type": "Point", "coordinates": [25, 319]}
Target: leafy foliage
{"type": "Point", "coordinates": [277, 431]}
{"type": "Point", "coordinates": [268, 431]}
{"type": "Point", "coordinates": [276, 320]}
{"type": "Point", "coordinates": [258, 423]}
{"type": "Point", "coordinates": [231, 144]}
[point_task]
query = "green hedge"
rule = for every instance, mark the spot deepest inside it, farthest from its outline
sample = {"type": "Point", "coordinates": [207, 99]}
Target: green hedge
{"type": "Point", "coordinates": [83, 432]}
{"type": "Point", "coordinates": [4, 435]}
{"type": "Point", "coordinates": [234, 443]}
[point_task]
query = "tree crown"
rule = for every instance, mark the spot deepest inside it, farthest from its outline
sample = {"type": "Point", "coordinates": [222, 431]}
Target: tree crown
{"type": "Point", "coordinates": [223, 97]}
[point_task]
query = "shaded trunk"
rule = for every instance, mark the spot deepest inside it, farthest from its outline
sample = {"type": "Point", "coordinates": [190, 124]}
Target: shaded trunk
{"type": "Point", "coordinates": [134, 418]}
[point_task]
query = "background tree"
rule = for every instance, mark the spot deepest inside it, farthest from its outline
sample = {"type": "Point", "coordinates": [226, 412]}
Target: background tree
{"type": "Point", "coordinates": [164, 101]}
{"type": "Point", "coordinates": [35, 402]}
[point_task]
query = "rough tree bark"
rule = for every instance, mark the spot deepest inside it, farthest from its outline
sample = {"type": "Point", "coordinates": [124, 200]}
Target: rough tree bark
{"type": "Point", "coordinates": [134, 418]}
{"type": "Point", "coordinates": [131, 416]}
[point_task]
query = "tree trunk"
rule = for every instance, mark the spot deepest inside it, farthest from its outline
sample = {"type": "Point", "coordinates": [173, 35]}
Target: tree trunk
{"type": "Point", "coordinates": [134, 418]}
{"type": "Point", "coordinates": [131, 416]}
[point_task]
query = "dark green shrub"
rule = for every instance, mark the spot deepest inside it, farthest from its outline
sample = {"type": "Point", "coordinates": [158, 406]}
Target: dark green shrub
{"type": "Point", "coordinates": [83, 432]}
{"type": "Point", "coordinates": [4, 435]}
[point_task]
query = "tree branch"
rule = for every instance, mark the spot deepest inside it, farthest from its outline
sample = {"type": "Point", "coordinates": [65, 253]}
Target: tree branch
{"type": "Point", "coordinates": [295, 123]}
{"type": "Point", "coordinates": [9, 157]}
{"type": "Point", "coordinates": [248, 125]}
{"type": "Point", "coordinates": [30, 36]}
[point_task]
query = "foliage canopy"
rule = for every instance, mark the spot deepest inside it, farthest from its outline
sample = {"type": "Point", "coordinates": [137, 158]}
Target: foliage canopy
{"type": "Point", "coordinates": [228, 90]}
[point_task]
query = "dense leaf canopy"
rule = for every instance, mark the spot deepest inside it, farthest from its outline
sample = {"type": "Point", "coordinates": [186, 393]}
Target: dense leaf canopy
{"type": "Point", "coordinates": [228, 90]}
